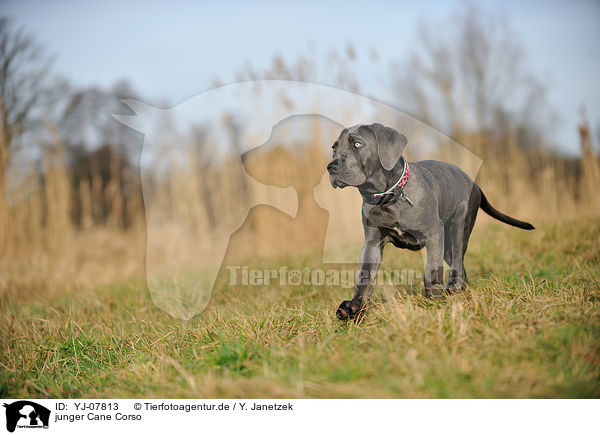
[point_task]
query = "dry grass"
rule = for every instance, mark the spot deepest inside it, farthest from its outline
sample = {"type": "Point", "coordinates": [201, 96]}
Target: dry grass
{"type": "Point", "coordinates": [528, 327]}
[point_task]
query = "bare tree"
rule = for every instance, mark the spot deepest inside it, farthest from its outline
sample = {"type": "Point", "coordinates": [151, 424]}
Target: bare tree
{"type": "Point", "coordinates": [101, 151]}
{"type": "Point", "coordinates": [23, 68]}
{"type": "Point", "coordinates": [469, 75]}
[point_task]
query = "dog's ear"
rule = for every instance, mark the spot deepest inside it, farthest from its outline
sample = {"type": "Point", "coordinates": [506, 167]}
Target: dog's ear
{"type": "Point", "coordinates": [390, 145]}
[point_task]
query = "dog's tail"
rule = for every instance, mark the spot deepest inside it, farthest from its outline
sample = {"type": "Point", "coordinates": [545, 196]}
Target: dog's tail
{"type": "Point", "coordinates": [487, 207]}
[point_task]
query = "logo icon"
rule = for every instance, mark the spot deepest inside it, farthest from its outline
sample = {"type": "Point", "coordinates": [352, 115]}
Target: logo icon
{"type": "Point", "coordinates": [26, 414]}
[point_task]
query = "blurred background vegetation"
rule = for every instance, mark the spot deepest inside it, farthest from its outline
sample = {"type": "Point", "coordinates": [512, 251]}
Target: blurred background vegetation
{"type": "Point", "coordinates": [71, 204]}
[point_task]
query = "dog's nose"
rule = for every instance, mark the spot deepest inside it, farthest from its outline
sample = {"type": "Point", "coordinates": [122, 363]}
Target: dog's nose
{"type": "Point", "coordinates": [333, 167]}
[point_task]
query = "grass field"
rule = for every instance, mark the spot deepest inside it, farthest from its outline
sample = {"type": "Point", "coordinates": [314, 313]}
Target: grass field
{"type": "Point", "coordinates": [529, 326]}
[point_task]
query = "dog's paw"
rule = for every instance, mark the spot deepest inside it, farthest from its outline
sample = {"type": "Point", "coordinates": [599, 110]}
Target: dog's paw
{"type": "Point", "coordinates": [454, 287]}
{"type": "Point", "coordinates": [347, 310]}
{"type": "Point", "coordinates": [455, 283]}
{"type": "Point", "coordinates": [437, 293]}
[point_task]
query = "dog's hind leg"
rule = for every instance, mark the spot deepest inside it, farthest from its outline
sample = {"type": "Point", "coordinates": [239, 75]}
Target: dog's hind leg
{"type": "Point", "coordinates": [455, 230]}
{"type": "Point", "coordinates": [453, 282]}
{"type": "Point", "coordinates": [447, 245]}
{"type": "Point", "coordinates": [434, 270]}
{"type": "Point", "coordinates": [471, 216]}
{"type": "Point", "coordinates": [466, 234]}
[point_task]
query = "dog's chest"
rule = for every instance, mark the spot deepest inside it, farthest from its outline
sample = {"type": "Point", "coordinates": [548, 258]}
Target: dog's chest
{"type": "Point", "coordinates": [383, 217]}
{"type": "Point", "coordinates": [392, 231]}
{"type": "Point", "coordinates": [403, 239]}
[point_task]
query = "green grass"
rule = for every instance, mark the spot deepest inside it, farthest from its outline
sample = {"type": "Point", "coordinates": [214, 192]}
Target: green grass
{"type": "Point", "coordinates": [529, 326]}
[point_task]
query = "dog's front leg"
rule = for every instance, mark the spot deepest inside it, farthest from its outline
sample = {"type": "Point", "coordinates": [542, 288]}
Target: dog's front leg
{"type": "Point", "coordinates": [370, 259]}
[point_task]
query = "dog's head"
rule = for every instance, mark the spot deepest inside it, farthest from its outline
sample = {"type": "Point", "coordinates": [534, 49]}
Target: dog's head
{"type": "Point", "coordinates": [361, 151]}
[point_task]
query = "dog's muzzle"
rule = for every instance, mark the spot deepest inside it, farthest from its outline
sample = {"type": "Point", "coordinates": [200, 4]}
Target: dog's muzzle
{"type": "Point", "coordinates": [333, 167]}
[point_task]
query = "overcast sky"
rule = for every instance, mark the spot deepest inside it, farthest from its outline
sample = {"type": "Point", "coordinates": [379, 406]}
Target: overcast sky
{"type": "Point", "coordinates": [175, 52]}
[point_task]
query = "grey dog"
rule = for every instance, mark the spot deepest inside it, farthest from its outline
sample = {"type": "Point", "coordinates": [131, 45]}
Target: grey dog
{"type": "Point", "coordinates": [429, 204]}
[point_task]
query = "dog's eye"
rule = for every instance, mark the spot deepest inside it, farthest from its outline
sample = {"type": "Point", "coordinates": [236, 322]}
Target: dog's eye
{"type": "Point", "coordinates": [357, 144]}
